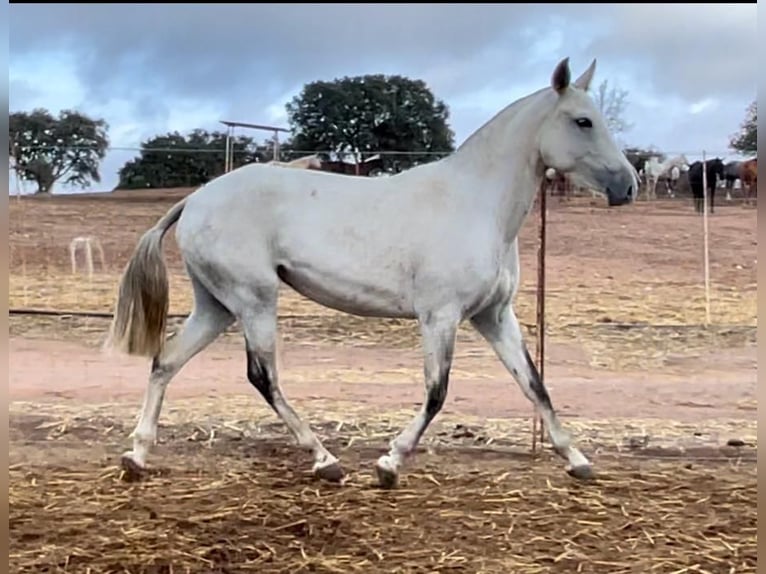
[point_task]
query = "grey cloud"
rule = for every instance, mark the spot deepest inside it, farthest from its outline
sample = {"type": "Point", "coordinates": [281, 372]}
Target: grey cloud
{"type": "Point", "coordinates": [214, 51]}
{"type": "Point", "coordinates": [245, 58]}
{"type": "Point", "coordinates": [692, 50]}
{"type": "Point", "coordinates": [21, 93]}
{"type": "Point", "coordinates": [249, 56]}
{"type": "Point", "coordinates": [685, 132]}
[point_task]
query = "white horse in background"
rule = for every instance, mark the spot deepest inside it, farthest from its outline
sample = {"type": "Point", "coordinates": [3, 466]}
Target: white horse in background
{"type": "Point", "coordinates": [436, 243]}
{"type": "Point", "coordinates": [655, 169]}
{"type": "Point", "coordinates": [305, 162]}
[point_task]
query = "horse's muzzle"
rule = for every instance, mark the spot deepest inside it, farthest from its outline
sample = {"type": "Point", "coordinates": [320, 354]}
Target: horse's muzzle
{"type": "Point", "coordinates": [615, 199]}
{"type": "Point", "coordinates": [621, 188]}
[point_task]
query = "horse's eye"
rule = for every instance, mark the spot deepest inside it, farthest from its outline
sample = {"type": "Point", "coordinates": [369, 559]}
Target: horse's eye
{"type": "Point", "coordinates": [584, 123]}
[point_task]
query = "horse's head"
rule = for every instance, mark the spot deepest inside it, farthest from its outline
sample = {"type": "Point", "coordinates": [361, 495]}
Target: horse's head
{"type": "Point", "coordinates": [681, 162]}
{"type": "Point", "coordinates": [716, 166]}
{"type": "Point", "coordinates": [574, 140]}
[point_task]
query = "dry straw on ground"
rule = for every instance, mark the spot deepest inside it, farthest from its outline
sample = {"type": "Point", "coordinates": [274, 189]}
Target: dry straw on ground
{"type": "Point", "coordinates": [656, 303]}
{"type": "Point", "coordinates": [606, 345]}
{"type": "Point", "coordinates": [222, 499]}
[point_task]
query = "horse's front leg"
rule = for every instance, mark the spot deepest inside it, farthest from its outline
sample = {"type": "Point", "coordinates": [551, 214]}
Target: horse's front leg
{"type": "Point", "coordinates": [438, 332]}
{"type": "Point", "coordinates": [499, 326]}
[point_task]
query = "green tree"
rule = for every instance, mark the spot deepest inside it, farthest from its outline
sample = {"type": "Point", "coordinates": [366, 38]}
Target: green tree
{"type": "Point", "coordinates": [745, 141]}
{"type": "Point", "coordinates": [371, 113]}
{"type": "Point", "coordinates": [45, 149]}
{"type": "Point", "coordinates": [176, 160]}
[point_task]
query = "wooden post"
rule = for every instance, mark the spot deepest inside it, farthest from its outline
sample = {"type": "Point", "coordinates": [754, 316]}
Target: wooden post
{"type": "Point", "coordinates": [226, 156]}
{"type": "Point", "coordinates": [540, 350]}
{"type": "Point", "coordinates": [706, 255]}
{"type": "Point", "coordinates": [231, 149]}
{"type": "Point", "coordinates": [276, 146]}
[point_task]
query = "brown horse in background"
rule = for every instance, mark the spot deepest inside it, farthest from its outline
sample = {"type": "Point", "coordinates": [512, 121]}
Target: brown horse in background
{"type": "Point", "coordinates": [748, 175]}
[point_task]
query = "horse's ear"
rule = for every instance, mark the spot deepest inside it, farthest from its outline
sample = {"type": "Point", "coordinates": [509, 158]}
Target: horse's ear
{"type": "Point", "coordinates": [561, 76]}
{"type": "Point", "coordinates": [583, 82]}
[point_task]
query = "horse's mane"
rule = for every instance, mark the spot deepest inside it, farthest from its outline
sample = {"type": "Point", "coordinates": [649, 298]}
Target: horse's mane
{"type": "Point", "coordinates": [515, 106]}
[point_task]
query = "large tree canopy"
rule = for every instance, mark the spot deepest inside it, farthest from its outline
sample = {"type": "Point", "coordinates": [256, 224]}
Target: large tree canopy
{"type": "Point", "coordinates": [176, 160]}
{"type": "Point", "coordinates": [45, 149]}
{"type": "Point", "coordinates": [371, 113]}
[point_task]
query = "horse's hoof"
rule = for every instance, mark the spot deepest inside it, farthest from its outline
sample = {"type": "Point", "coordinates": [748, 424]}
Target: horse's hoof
{"type": "Point", "coordinates": [331, 472]}
{"type": "Point", "coordinates": [132, 469]}
{"type": "Point", "coordinates": [581, 472]}
{"type": "Point", "coordinates": [386, 471]}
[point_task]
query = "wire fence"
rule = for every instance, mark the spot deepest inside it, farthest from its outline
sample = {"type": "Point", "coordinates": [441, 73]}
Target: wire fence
{"type": "Point", "coordinates": [631, 289]}
{"type": "Point", "coordinates": [636, 273]}
{"type": "Point", "coordinates": [132, 167]}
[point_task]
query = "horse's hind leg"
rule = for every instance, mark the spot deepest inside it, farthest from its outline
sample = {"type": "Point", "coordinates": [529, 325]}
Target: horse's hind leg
{"type": "Point", "coordinates": [499, 326]}
{"type": "Point", "coordinates": [259, 322]}
{"type": "Point", "coordinates": [207, 320]}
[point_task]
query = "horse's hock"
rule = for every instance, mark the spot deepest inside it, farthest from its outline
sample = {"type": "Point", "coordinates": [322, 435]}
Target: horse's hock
{"type": "Point", "coordinates": [87, 243]}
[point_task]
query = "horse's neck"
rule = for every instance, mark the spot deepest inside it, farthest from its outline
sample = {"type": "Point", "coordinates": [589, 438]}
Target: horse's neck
{"type": "Point", "coordinates": [503, 159]}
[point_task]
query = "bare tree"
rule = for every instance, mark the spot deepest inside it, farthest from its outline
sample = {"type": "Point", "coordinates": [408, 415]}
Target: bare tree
{"type": "Point", "coordinates": [612, 103]}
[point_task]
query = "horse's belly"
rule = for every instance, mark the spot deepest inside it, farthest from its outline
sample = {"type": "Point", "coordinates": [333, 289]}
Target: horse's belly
{"type": "Point", "coordinates": [349, 292]}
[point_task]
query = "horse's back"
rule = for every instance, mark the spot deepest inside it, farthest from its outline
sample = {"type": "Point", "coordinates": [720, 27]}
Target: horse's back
{"type": "Point", "coordinates": [302, 211]}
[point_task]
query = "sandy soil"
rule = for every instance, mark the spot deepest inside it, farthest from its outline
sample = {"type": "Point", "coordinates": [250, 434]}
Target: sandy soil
{"type": "Point", "coordinates": [643, 249]}
{"type": "Point", "coordinates": [228, 492]}
{"type": "Point", "coordinates": [722, 385]}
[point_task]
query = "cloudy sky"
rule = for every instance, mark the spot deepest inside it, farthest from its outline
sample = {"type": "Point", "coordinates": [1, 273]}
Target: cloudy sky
{"type": "Point", "coordinates": [690, 70]}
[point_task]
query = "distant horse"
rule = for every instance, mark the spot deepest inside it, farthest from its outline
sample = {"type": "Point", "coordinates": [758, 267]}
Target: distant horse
{"type": "Point", "coordinates": [638, 164]}
{"type": "Point", "coordinates": [749, 177]}
{"type": "Point", "coordinates": [561, 186]}
{"type": "Point", "coordinates": [305, 162]}
{"type": "Point", "coordinates": [655, 169]}
{"type": "Point", "coordinates": [368, 167]}
{"type": "Point", "coordinates": [672, 180]}
{"type": "Point", "coordinates": [731, 173]}
{"type": "Point", "coordinates": [437, 243]}
{"type": "Point", "coordinates": [714, 168]}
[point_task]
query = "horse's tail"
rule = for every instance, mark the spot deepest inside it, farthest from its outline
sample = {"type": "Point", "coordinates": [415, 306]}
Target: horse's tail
{"type": "Point", "coordinates": [138, 325]}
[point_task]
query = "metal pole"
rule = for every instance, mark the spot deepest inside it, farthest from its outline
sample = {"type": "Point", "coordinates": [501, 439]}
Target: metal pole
{"type": "Point", "coordinates": [705, 239]}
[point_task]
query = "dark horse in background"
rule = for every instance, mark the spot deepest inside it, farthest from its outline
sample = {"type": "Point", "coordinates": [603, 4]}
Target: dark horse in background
{"type": "Point", "coordinates": [715, 171]}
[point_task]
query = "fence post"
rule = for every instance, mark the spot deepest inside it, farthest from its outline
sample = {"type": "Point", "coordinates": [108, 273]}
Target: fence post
{"type": "Point", "coordinates": [706, 255]}
{"type": "Point", "coordinates": [226, 156]}
{"type": "Point", "coordinates": [540, 347]}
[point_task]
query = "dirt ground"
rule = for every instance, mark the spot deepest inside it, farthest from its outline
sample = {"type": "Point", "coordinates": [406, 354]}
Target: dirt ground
{"type": "Point", "coordinates": [644, 388]}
